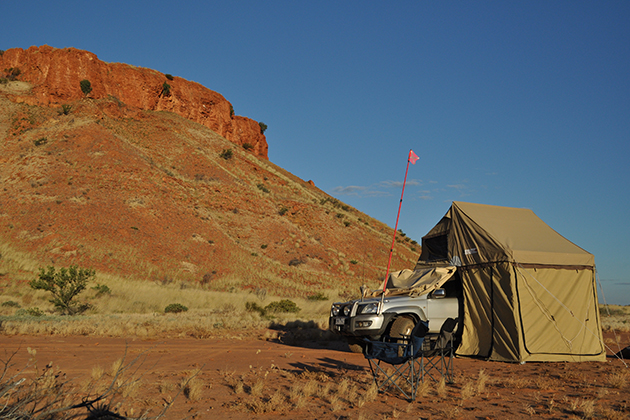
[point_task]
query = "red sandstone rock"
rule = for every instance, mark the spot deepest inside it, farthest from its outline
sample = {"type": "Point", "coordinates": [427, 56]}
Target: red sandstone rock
{"type": "Point", "coordinates": [56, 75]}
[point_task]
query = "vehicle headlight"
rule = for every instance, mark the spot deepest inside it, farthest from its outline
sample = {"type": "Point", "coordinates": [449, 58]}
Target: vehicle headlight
{"type": "Point", "coordinates": [335, 310]}
{"type": "Point", "coordinates": [370, 308]}
{"type": "Point", "coordinates": [346, 310]}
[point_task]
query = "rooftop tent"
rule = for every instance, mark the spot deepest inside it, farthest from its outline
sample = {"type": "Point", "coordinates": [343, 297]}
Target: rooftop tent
{"type": "Point", "coordinates": [528, 293]}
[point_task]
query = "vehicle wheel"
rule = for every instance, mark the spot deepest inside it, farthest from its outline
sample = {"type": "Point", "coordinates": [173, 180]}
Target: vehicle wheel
{"type": "Point", "coordinates": [401, 327]}
{"type": "Point", "coordinates": [355, 346]}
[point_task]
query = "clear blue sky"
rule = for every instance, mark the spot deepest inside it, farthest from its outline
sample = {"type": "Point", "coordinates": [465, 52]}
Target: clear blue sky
{"type": "Point", "coordinates": [520, 104]}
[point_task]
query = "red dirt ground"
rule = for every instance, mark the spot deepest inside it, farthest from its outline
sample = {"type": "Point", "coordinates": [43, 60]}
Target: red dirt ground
{"type": "Point", "coordinates": [540, 390]}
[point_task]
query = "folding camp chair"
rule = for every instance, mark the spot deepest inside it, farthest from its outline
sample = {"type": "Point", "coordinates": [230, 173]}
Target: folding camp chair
{"type": "Point", "coordinates": [436, 356]}
{"type": "Point", "coordinates": [393, 361]}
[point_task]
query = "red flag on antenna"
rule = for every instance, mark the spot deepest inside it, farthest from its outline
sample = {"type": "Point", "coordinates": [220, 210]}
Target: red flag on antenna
{"type": "Point", "coordinates": [413, 157]}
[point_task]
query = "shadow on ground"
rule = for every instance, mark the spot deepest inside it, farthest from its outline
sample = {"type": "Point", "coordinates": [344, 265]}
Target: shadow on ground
{"type": "Point", "coordinates": [308, 334]}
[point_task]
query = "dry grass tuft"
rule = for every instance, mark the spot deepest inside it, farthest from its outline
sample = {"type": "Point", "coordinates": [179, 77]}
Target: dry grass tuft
{"type": "Point", "coordinates": [440, 390]}
{"type": "Point", "coordinates": [50, 395]}
{"type": "Point", "coordinates": [467, 391]}
{"type": "Point", "coordinates": [612, 414]}
{"type": "Point", "coordinates": [481, 382]}
{"type": "Point", "coordinates": [518, 383]}
{"type": "Point", "coordinates": [450, 412]}
{"type": "Point", "coordinates": [615, 317]}
{"type": "Point", "coordinates": [97, 372]}
{"type": "Point", "coordinates": [618, 380]}
{"type": "Point", "coordinates": [165, 387]}
{"type": "Point", "coordinates": [193, 388]}
{"type": "Point", "coordinates": [256, 390]}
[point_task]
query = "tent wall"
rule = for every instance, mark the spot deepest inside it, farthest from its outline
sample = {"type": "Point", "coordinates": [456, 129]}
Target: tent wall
{"type": "Point", "coordinates": [559, 315]}
{"type": "Point", "coordinates": [490, 325]}
{"type": "Point", "coordinates": [529, 294]}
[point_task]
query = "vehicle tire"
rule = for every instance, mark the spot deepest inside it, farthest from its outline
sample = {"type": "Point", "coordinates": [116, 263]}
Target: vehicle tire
{"type": "Point", "coordinates": [355, 346]}
{"type": "Point", "coordinates": [401, 327]}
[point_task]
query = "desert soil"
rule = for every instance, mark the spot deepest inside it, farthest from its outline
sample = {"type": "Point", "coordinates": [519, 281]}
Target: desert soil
{"type": "Point", "coordinates": [530, 390]}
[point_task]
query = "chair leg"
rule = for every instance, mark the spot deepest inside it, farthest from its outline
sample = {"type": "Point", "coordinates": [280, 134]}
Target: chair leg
{"type": "Point", "coordinates": [404, 372]}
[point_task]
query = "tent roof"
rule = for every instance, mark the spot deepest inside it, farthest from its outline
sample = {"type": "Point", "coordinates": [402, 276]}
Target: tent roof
{"type": "Point", "coordinates": [519, 233]}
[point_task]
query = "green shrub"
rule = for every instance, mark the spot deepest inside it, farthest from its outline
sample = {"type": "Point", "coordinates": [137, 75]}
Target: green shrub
{"type": "Point", "coordinates": [317, 297]}
{"type": "Point", "coordinates": [226, 154]}
{"type": "Point", "coordinates": [12, 73]}
{"type": "Point", "coordinates": [231, 111]}
{"type": "Point", "coordinates": [248, 146]}
{"type": "Point", "coordinates": [29, 312]}
{"type": "Point", "coordinates": [10, 304]}
{"type": "Point", "coordinates": [254, 307]}
{"type": "Point", "coordinates": [64, 285]}
{"type": "Point", "coordinates": [102, 289]}
{"type": "Point", "coordinates": [284, 305]}
{"type": "Point", "coordinates": [169, 76]}
{"type": "Point", "coordinates": [175, 308]}
{"type": "Point", "coordinates": [41, 141]}
{"type": "Point", "coordinates": [166, 89]}
{"type": "Point", "coordinates": [65, 109]}
{"type": "Point", "coordinates": [281, 306]}
{"type": "Point", "coordinates": [262, 188]}
{"type": "Point", "coordinates": [86, 87]}
{"type": "Point", "coordinates": [283, 210]}
{"type": "Point", "coordinates": [3, 80]}
{"type": "Point", "coordinates": [263, 127]}
{"type": "Point", "coordinates": [295, 262]}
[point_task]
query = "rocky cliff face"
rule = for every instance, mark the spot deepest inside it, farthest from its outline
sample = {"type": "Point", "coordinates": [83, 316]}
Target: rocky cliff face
{"type": "Point", "coordinates": [109, 183]}
{"type": "Point", "coordinates": [56, 75]}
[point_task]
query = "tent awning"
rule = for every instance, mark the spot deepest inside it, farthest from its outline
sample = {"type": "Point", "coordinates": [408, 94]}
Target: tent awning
{"type": "Point", "coordinates": [416, 282]}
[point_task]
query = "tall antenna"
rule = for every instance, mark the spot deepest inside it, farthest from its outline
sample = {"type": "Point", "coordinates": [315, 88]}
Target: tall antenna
{"type": "Point", "coordinates": [412, 158]}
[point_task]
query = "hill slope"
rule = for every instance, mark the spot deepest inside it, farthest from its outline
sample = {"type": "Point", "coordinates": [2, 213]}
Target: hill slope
{"type": "Point", "coordinates": [153, 195]}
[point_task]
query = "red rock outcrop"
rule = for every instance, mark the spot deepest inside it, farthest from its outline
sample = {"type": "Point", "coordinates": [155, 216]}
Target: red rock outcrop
{"type": "Point", "coordinates": [56, 75]}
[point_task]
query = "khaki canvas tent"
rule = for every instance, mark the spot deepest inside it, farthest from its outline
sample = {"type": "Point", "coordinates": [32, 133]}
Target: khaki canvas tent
{"type": "Point", "coordinates": [528, 293]}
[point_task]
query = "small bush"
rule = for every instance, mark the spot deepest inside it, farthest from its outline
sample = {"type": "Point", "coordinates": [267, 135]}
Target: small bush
{"type": "Point", "coordinates": [226, 154]}
{"type": "Point", "coordinates": [3, 80]}
{"type": "Point", "coordinates": [86, 87]}
{"type": "Point", "coordinates": [295, 262]}
{"type": "Point", "coordinates": [231, 111]}
{"type": "Point", "coordinates": [175, 308]}
{"type": "Point", "coordinates": [169, 76]}
{"type": "Point", "coordinates": [284, 305]}
{"type": "Point", "coordinates": [41, 141]}
{"type": "Point", "coordinates": [29, 312]}
{"type": "Point", "coordinates": [10, 304]}
{"type": "Point", "coordinates": [207, 278]}
{"type": "Point", "coordinates": [65, 109]}
{"type": "Point", "coordinates": [248, 146]}
{"type": "Point", "coordinates": [254, 307]}
{"type": "Point", "coordinates": [262, 188]}
{"type": "Point", "coordinates": [166, 89]}
{"type": "Point", "coordinates": [12, 73]}
{"type": "Point", "coordinates": [263, 127]}
{"type": "Point", "coordinates": [102, 289]}
{"type": "Point", "coordinates": [64, 285]}
{"type": "Point", "coordinates": [317, 297]}
{"type": "Point", "coordinates": [283, 210]}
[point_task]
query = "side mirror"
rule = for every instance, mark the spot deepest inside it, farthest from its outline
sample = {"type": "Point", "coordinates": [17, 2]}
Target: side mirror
{"type": "Point", "coordinates": [438, 294]}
